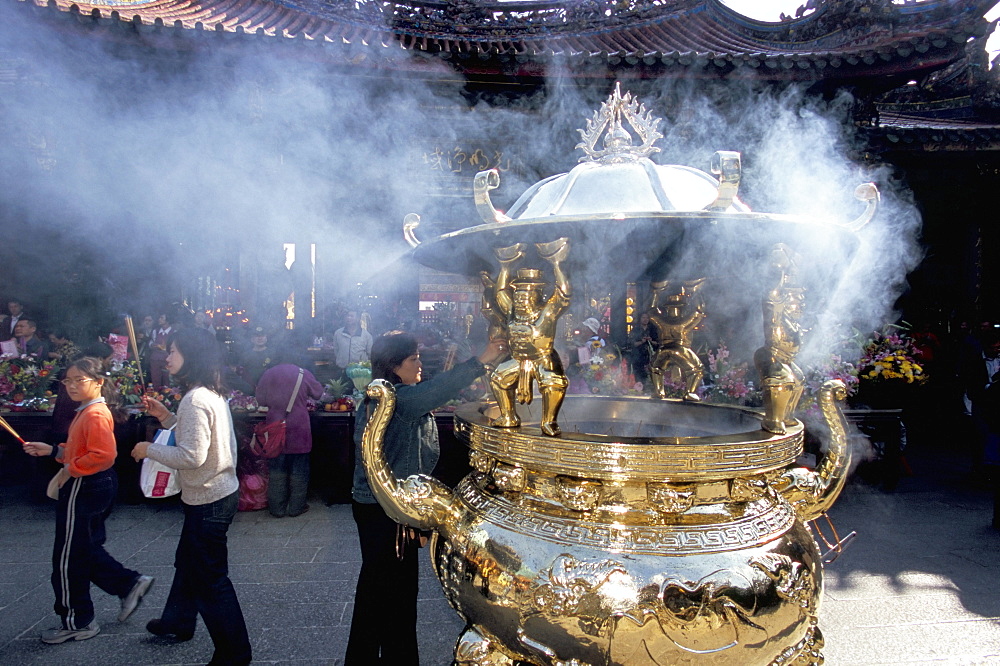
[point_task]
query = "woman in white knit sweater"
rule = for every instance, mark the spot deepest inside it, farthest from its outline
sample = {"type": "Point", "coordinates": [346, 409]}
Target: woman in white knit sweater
{"type": "Point", "coordinates": [205, 459]}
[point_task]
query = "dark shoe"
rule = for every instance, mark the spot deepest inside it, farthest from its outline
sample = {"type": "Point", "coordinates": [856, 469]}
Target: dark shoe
{"type": "Point", "coordinates": [132, 600]}
{"type": "Point", "coordinates": [160, 628]}
{"type": "Point", "coordinates": [230, 661]}
{"type": "Point", "coordinates": [299, 513]}
{"type": "Point", "coordinates": [60, 635]}
{"type": "Point", "coordinates": [276, 515]}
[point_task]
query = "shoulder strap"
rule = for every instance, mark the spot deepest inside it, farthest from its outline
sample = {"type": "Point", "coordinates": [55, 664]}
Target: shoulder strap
{"type": "Point", "coordinates": [295, 393]}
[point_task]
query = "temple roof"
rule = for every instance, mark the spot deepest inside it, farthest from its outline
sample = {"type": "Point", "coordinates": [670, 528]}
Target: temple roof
{"type": "Point", "coordinates": [841, 38]}
{"type": "Point", "coordinates": [903, 132]}
{"type": "Point", "coordinates": [952, 101]}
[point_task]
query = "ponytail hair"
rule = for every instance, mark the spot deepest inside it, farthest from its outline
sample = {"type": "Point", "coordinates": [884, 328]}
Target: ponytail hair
{"type": "Point", "coordinates": [99, 370]}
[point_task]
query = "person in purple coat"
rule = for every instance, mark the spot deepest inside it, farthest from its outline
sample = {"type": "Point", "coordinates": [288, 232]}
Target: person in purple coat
{"type": "Point", "coordinates": [288, 483]}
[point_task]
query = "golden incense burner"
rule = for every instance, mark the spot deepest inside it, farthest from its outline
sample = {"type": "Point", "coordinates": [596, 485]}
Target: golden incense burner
{"type": "Point", "coordinates": [630, 531]}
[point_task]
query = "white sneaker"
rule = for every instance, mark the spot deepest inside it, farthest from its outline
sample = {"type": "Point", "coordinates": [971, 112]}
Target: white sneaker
{"type": "Point", "coordinates": [60, 635]}
{"type": "Point", "coordinates": [132, 600]}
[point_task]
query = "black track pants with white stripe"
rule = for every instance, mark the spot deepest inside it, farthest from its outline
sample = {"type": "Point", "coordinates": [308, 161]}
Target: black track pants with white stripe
{"type": "Point", "coordinates": [78, 555]}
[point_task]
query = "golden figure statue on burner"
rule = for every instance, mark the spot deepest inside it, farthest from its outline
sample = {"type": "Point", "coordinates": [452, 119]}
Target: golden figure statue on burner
{"type": "Point", "coordinates": [781, 378]}
{"type": "Point", "coordinates": [674, 331]}
{"type": "Point", "coordinates": [531, 330]}
{"type": "Point", "coordinates": [496, 322]}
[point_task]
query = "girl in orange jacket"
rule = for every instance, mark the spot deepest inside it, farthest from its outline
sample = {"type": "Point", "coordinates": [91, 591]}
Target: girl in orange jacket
{"type": "Point", "coordinates": [87, 486]}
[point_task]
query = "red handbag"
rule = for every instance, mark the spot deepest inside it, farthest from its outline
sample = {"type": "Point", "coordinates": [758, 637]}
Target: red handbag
{"type": "Point", "coordinates": [268, 439]}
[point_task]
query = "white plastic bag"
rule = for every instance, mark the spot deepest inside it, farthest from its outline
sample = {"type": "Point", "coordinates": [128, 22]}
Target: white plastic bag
{"type": "Point", "coordinates": [156, 479]}
{"type": "Point", "coordinates": [56, 484]}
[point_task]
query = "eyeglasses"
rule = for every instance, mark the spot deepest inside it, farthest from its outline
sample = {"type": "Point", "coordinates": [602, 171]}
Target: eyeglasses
{"type": "Point", "coordinates": [79, 380]}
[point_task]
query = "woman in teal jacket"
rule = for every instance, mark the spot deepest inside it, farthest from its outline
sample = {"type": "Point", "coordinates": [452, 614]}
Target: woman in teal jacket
{"type": "Point", "coordinates": [384, 624]}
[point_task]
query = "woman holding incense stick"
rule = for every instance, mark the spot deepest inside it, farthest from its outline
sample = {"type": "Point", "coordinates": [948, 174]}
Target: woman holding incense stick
{"type": "Point", "coordinates": [205, 460]}
{"type": "Point", "coordinates": [87, 486]}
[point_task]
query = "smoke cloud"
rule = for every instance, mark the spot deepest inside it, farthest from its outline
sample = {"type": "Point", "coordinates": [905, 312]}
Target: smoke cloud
{"type": "Point", "coordinates": [157, 169]}
{"type": "Point", "coordinates": [152, 168]}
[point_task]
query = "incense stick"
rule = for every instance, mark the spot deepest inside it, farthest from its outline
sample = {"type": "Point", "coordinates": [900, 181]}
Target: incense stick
{"type": "Point", "coordinates": [8, 428]}
{"type": "Point", "coordinates": [135, 351]}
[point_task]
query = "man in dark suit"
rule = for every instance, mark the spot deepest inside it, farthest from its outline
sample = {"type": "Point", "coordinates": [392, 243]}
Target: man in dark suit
{"type": "Point", "coordinates": [28, 342]}
{"type": "Point", "coordinates": [16, 312]}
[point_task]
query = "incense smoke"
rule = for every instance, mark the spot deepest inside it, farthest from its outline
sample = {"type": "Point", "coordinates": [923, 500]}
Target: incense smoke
{"type": "Point", "coordinates": [159, 168]}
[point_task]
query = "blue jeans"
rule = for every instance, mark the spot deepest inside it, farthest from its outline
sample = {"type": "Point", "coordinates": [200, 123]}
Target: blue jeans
{"type": "Point", "coordinates": [287, 483]}
{"type": "Point", "coordinates": [201, 582]}
{"type": "Point", "coordinates": [78, 555]}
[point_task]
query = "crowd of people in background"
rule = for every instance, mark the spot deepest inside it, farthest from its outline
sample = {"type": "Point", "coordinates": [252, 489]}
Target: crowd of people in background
{"type": "Point", "coordinates": [250, 348]}
{"type": "Point", "coordinates": [254, 347]}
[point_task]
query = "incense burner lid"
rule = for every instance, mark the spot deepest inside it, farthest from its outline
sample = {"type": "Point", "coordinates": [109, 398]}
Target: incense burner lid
{"type": "Point", "coordinates": [616, 189]}
{"type": "Point", "coordinates": [638, 218]}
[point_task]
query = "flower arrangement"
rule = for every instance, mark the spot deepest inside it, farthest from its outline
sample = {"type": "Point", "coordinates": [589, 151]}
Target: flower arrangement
{"type": "Point", "coordinates": [126, 378]}
{"type": "Point", "coordinates": [607, 373]}
{"type": "Point", "coordinates": [729, 383]}
{"type": "Point", "coordinates": [674, 388]}
{"type": "Point", "coordinates": [597, 357]}
{"type": "Point", "coordinates": [119, 347]}
{"type": "Point", "coordinates": [168, 395]}
{"type": "Point", "coordinates": [891, 356]}
{"type": "Point", "coordinates": [834, 367]}
{"type": "Point", "coordinates": [242, 402]}
{"type": "Point", "coordinates": [26, 379]}
{"type": "Point", "coordinates": [601, 379]}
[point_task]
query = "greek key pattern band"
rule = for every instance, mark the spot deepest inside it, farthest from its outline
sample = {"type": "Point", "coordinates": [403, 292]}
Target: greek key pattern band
{"type": "Point", "coordinates": [641, 540]}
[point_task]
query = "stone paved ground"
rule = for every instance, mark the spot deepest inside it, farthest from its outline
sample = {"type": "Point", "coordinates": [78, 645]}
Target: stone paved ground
{"type": "Point", "coordinates": [917, 586]}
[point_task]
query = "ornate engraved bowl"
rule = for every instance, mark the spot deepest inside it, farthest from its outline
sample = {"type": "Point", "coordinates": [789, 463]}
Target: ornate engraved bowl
{"type": "Point", "coordinates": [548, 590]}
{"type": "Point", "coordinates": [664, 544]}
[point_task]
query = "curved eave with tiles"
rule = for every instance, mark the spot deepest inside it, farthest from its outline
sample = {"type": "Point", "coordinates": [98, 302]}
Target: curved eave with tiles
{"type": "Point", "coordinates": [913, 133]}
{"type": "Point", "coordinates": [689, 37]}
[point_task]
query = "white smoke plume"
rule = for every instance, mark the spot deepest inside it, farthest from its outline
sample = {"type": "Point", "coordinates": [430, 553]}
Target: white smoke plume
{"type": "Point", "coordinates": [161, 166]}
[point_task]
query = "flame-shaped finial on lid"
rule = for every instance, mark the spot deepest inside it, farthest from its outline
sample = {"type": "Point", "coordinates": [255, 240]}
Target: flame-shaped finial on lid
{"type": "Point", "coordinates": [610, 120]}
